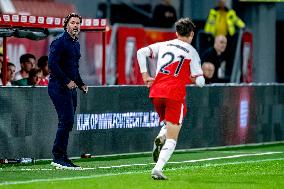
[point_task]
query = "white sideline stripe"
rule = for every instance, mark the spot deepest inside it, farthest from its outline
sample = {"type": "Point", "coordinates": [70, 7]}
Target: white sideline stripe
{"type": "Point", "coordinates": [181, 115]}
{"type": "Point", "coordinates": [27, 169]}
{"type": "Point", "coordinates": [67, 178]}
{"type": "Point", "coordinates": [228, 163]}
{"type": "Point", "coordinates": [200, 160]}
{"type": "Point", "coordinates": [117, 166]}
{"type": "Point", "coordinates": [127, 173]}
{"type": "Point", "coordinates": [88, 168]}
{"type": "Point", "coordinates": [129, 165]}
{"type": "Point", "coordinates": [170, 162]}
{"type": "Point", "coordinates": [233, 156]}
{"type": "Point", "coordinates": [202, 149]}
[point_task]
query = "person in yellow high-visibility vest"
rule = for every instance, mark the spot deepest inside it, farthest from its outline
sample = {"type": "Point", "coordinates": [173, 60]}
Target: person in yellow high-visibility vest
{"type": "Point", "coordinates": [222, 20]}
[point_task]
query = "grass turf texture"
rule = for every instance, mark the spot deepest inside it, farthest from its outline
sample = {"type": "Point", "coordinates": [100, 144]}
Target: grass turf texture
{"type": "Point", "coordinates": [242, 167]}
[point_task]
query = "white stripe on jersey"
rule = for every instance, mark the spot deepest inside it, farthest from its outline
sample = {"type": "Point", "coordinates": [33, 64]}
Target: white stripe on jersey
{"type": "Point", "coordinates": [181, 114]}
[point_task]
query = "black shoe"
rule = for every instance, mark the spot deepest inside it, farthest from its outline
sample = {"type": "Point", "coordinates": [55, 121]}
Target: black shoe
{"type": "Point", "coordinates": [71, 163]}
{"type": "Point", "coordinates": [63, 164]}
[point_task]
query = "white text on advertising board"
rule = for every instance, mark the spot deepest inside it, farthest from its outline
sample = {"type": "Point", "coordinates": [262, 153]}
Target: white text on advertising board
{"type": "Point", "coordinates": [117, 120]}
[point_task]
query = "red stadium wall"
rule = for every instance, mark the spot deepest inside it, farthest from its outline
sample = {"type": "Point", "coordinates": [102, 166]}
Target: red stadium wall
{"type": "Point", "coordinates": [123, 69]}
{"type": "Point", "coordinates": [127, 66]}
{"type": "Point", "coordinates": [18, 46]}
{"type": "Point", "coordinates": [129, 40]}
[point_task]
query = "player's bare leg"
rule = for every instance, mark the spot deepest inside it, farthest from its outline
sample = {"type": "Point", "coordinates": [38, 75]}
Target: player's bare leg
{"type": "Point", "coordinates": [167, 151]}
{"type": "Point", "coordinates": [159, 142]}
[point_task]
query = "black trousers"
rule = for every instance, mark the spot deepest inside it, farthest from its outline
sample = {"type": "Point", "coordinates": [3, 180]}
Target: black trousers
{"type": "Point", "coordinates": [65, 102]}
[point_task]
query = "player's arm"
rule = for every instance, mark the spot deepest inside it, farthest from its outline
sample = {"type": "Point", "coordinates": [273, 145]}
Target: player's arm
{"type": "Point", "coordinates": [196, 71]}
{"type": "Point", "coordinates": [142, 54]}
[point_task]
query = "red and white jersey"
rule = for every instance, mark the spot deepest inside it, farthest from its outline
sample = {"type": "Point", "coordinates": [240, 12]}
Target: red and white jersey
{"type": "Point", "coordinates": [177, 60]}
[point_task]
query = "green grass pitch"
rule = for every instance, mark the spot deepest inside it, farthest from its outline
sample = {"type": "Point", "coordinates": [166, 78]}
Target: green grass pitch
{"type": "Point", "coordinates": [260, 166]}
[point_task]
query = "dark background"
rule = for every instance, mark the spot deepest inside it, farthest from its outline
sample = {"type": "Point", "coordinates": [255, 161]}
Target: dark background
{"type": "Point", "coordinates": [28, 120]}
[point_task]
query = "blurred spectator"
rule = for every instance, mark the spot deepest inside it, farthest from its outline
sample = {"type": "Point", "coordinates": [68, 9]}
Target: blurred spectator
{"type": "Point", "coordinates": [34, 78]}
{"type": "Point", "coordinates": [43, 65]}
{"type": "Point", "coordinates": [208, 71]}
{"type": "Point", "coordinates": [222, 20]}
{"type": "Point", "coordinates": [214, 64]}
{"type": "Point", "coordinates": [164, 15]}
{"type": "Point", "coordinates": [1, 62]}
{"type": "Point", "coordinates": [27, 62]}
{"type": "Point", "coordinates": [11, 69]}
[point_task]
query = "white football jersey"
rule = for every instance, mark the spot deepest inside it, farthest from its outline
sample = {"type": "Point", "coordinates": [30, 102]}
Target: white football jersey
{"type": "Point", "coordinates": [176, 50]}
{"type": "Point", "coordinates": [177, 61]}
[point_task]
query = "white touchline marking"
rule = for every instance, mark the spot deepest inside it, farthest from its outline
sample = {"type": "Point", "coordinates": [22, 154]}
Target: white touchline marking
{"type": "Point", "coordinates": [28, 169]}
{"type": "Point", "coordinates": [127, 173]}
{"type": "Point", "coordinates": [233, 156]}
{"type": "Point", "coordinates": [170, 162]}
{"type": "Point", "coordinates": [105, 167]}
{"type": "Point", "coordinates": [228, 163]}
{"type": "Point", "coordinates": [200, 160]}
{"type": "Point", "coordinates": [89, 168]}
{"type": "Point", "coordinates": [66, 178]}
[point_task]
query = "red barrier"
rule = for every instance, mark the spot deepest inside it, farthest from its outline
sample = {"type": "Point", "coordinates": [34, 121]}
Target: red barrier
{"type": "Point", "coordinates": [19, 46]}
{"type": "Point", "coordinates": [93, 59]}
{"type": "Point", "coordinates": [124, 69]}
{"type": "Point", "coordinates": [129, 40]}
{"type": "Point", "coordinates": [30, 21]}
{"type": "Point", "coordinates": [247, 57]}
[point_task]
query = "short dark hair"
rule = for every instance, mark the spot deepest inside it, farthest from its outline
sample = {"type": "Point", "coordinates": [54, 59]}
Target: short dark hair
{"type": "Point", "coordinates": [184, 27]}
{"type": "Point", "coordinates": [68, 17]}
{"type": "Point", "coordinates": [26, 57]}
{"type": "Point", "coordinates": [10, 64]}
{"type": "Point", "coordinates": [33, 73]}
{"type": "Point", "coordinates": [42, 61]}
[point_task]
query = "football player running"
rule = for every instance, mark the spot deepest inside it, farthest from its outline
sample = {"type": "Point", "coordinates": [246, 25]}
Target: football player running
{"type": "Point", "coordinates": [177, 62]}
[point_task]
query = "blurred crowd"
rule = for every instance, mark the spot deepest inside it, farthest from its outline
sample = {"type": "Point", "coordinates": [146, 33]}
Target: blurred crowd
{"type": "Point", "coordinates": [217, 61]}
{"type": "Point", "coordinates": [32, 72]}
{"type": "Point", "coordinates": [222, 25]}
{"type": "Point", "coordinates": [217, 46]}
